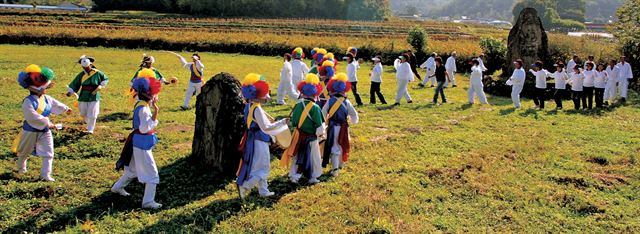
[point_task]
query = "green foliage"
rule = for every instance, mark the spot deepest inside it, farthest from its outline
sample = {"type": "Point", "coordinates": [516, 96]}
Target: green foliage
{"type": "Point", "coordinates": [495, 52]}
{"type": "Point", "coordinates": [332, 9]}
{"type": "Point", "coordinates": [627, 30]}
{"type": "Point", "coordinates": [555, 14]}
{"type": "Point", "coordinates": [417, 38]}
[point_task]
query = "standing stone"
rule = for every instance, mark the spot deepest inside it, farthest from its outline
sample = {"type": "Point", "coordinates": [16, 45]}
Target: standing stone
{"type": "Point", "coordinates": [219, 125]}
{"type": "Point", "coordinates": [527, 41]}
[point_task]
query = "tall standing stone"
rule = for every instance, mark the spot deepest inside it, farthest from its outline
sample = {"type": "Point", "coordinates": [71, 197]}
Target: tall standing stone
{"type": "Point", "coordinates": [527, 41]}
{"type": "Point", "coordinates": [219, 125]}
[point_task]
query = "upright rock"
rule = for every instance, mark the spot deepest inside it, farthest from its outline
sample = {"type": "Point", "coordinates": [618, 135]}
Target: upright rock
{"type": "Point", "coordinates": [219, 125]}
{"type": "Point", "coordinates": [527, 41]}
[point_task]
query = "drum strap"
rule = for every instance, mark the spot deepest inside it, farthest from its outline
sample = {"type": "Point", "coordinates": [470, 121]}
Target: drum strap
{"type": "Point", "coordinates": [288, 153]}
{"type": "Point", "coordinates": [251, 110]}
{"type": "Point", "coordinates": [335, 107]}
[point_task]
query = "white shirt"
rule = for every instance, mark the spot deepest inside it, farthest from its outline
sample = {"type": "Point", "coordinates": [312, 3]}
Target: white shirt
{"type": "Point", "coordinates": [561, 78]}
{"type": "Point", "coordinates": [600, 80]}
{"type": "Point", "coordinates": [403, 71]}
{"type": "Point", "coordinates": [298, 71]}
{"type": "Point", "coordinates": [146, 121]}
{"type": "Point", "coordinates": [589, 78]}
{"type": "Point", "coordinates": [187, 65]}
{"type": "Point", "coordinates": [376, 73]}
{"type": "Point", "coordinates": [576, 81]}
{"type": "Point", "coordinates": [352, 71]}
{"type": "Point", "coordinates": [430, 64]}
{"type": "Point", "coordinates": [625, 71]}
{"type": "Point", "coordinates": [571, 64]}
{"type": "Point", "coordinates": [482, 64]}
{"type": "Point", "coordinates": [36, 120]}
{"type": "Point", "coordinates": [518, 76]}
{"type": "Point", "coordinates": [612, 74]}
{"type": "Point", "coordinates": [286, 72]}
{"type": "Point", "coordinates": [476, 75]}
{"type": "Point", "coordinates": [541, 78]}
{"type": "Point", "coordinates": [451, 64]}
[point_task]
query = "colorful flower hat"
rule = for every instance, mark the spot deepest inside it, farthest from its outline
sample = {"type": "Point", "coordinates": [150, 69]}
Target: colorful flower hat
{"type": "Point", "coordinates": [146, 83]}
{"type": "Point", "coordinates": [35, 76]}
{"type": "Point", "coordinates": [310, 87]}
{"type": "Point", "coordinates": [320, 54]}
{"type": "Point", "coordinates": [353, 51]}
{"type": "Point", "coordinates": [254, 86]}
{"type": "Point", "coordinates": [297, 53]}
{"type": "Point", "coordinates": [314, 53]}
{"type": "Point", "coordinates": [327, 70]}
{"type": "Point", "coordinates": [339, 84]}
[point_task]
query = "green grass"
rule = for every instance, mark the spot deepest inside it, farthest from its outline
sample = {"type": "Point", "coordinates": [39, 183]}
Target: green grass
{"type": "Point", "coordinates": [415, 168]}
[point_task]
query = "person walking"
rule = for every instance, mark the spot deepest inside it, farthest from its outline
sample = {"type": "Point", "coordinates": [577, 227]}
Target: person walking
{"type": "Point", "coordinates": [451, 70]}
{"type": "Point", "coordinates": [376, 81]}
{"type": "Point", "coordinates": [404, 75]}
{"type": "Point", "coordinates": [430, 66]}
{"type": "Point", "coordinates": [476, 88]}
{"type": "Point", "coordinates": [516, 81]}
{"type": "Point", "coordinates": [442, 76]}
{"type": "Point", "coordinates": [352, 73]}
{"type": "Point", "coordinates": [286, 86]}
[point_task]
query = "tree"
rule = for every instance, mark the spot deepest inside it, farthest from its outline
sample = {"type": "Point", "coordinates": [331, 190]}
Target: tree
{"type": "Point", "coordinates": [417, 39]}
{"type": "Point", "coordinates": [627, 30]}
{"type": "Point", "coordinates": [552, 11]}
{"type": "Point", "coordinates": [495, 53]}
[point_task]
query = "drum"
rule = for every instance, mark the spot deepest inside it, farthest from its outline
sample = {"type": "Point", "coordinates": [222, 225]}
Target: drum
{"type": "Point", "coordinates": [174, 80]}
{"type": "Point", "coordinates": [283, 140]}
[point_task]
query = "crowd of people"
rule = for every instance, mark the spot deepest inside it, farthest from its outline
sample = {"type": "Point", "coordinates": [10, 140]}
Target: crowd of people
{"type": "Point", "coordinates": [320, 118]}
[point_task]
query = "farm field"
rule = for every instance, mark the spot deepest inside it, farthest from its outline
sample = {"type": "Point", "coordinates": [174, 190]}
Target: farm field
{"type": "Point", "coordinates": [414, 168]}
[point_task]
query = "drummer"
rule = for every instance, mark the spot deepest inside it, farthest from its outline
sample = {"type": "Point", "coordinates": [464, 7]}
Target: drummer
{"type": "Point", "coordinates": [337, 111]}
{"type": "Point", "coordinates": [256, 158]}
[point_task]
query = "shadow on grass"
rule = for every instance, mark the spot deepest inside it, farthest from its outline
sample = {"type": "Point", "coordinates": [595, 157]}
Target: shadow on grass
{"type": "Point", "coordinates": [206, 218]}
{"type": "Point", "coordinates": [180, 184]}
{"type": "Point", "coordinates": [117, 116]}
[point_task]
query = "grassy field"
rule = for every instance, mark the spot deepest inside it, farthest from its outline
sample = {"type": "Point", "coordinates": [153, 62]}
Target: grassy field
{"type": "Point", "coordinates": [415, 168]}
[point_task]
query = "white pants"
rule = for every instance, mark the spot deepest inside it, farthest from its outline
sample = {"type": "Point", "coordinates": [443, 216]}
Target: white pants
{"type": "Point", "coordinates": [610, 91]}
{"type": "Point", "coordinates": [286, 88]}
{"type": "Point", "coordinates": [40, 143]}
{"type": "Point", "coordinates": [427, 78]}
{"type": "Point", "coordinates": [259, 168]}
{"type": "Point", "coordinates": [193, 88]}
{"type": "Point", "coordinates": [452, 76]}
{"type": "Point", "coordinates": [316, 163]}
{"type": "Point", "coordinates": [477, 89]}
{"type": "Point", "coordinates": [403, 91]}
{"type": "Point", "coordinates": [515, 95]}
{"type": "Point", "coordinates": [143, 167]}
{"type": "Point", "coordinates": [623, 85]}
{"type": "Point", "coordinates": [89, 111]}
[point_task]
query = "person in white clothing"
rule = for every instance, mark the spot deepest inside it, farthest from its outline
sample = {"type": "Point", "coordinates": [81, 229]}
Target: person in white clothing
{"type": "Point", "coordinates": [35, 137]}
{"type": "Point", "coordinates": [589, 78]}
{"type": "Point", "coordinates": [610, 91]}
{"type": "Point", "coordinates": [376, 81]}
{"type": "Point", "coordinates": [137, 154]}
{"type": "Point", "coordinates": [404, 75]}
{"type": "Point", "coordinates": [560, 77]}
{"type": "Point", "coordinates": [625, 74]}
{"type": "Point", "coordinates": [572, 63]}
{"type": "Point", "coordinates": [451, 67]}
{"type": "Point", "coordinates": [541, 75]}
{"type": "Point", "coordinates": [298, 69]}
{"type": "Point", "coordinates": [195, 82]}
{"type": "Point", "coordinates": [256, 159]}
{"type": "Point", "coordinates": [430, 66]}
{"type": "Point", "coordinates": [576, 81]}
{"type": "Point", "coordinates": [352, 73]}
{"type": "Point", "coordinates": [476, 87]}
{"type": "Point", "coordinates": [286, 86]}
{"type": "Point", "coordinates": [590, 59]}
{"type": "Point", "coordinates": [599, 84]}
{"type": "Point", "coordinates": [516, 81]}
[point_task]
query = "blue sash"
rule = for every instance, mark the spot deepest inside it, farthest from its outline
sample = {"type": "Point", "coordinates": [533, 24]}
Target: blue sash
{"type": "Point", "coordinates": [142, 141]}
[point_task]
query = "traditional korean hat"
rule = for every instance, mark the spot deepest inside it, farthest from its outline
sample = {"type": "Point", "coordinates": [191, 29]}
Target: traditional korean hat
{"type": "Point", "coordinates": [146, 84]}
{"type": "Point", "coordinates": [310, 87]}
{"type": "Point", "coordinates": [254, 86]}
{"type": "Point", "coordinates": [339, 84]}
{"type": "Point", "coordinates": [86, 61]}
{"type": "Point", "coordinates": [35, 76]}
{"type": "Point", "coordinates": [147, 59]}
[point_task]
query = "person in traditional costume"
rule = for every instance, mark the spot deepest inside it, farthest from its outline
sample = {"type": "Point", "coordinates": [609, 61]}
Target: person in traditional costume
{"type": "Point", "coordinates": [304, 153]}
{"type": "Point", "coordinates": [404, 75]}
{"type": "Point", "coordinates": [298, 68]}
{"type": "Point", "coordinates": [476, 87]}
{"type": "Point", "coordinates": [286, 87]}
{"type": "Point", "coordinates": [318, 58]}
{"type": "Point", "coordinates": [87, 86]}
{"type": "Point", "coordinates": [325, 72]}
{"type": "Point", "coordinates": [625, 75]}
{"type": "Point", "coordinates": [256, 158]}
{"type": "Point", "coordinates": [516, 81]}
{"type": "Point", "coordinates": [196, 67]}
{"type": "Point", "coordinates": [610, 91]}
{"type": "Point", "coordinates": [430, 66]}
{"type": "Point", "coordinates": [147, 62]}
{"type": "Point", "coordinates": [35, 137]}
{"type": "Point", "coordinates": [338, 111]}
{"type": "Point", "coordinates": [451, 67]}
{"type": "Point", "coordinates": [137, 157]}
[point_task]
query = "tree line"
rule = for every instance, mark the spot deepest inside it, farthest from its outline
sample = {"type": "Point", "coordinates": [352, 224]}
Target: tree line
{"type": "Point", "coordinates": [330, 9]}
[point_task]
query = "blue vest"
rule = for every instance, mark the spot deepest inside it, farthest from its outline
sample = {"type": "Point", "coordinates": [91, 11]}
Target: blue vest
{"type": "Point", "coordinates": [142, 141]}
{"type": "Point", "coordinates": [194, 77]}
{"type": "Point", "coordinates": [341, 114]}
{"type": "Point", "coordinates": [45, 113]}
{"type": "Point", "coordinates": [255, 129]}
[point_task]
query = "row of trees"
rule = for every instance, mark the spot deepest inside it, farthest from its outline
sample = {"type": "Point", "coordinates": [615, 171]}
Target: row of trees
{"type": "Point", "coordinates": [556, 14]}
{"type": "Point", "coordinates": [331, 9]}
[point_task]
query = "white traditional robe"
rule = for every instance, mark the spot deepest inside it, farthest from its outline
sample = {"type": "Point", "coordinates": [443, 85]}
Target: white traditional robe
{"type": "Point", "coordinates": [404, 75]}
{"type": "Point", "coordinates": [286, 86]}
{"type": "Point", "coordinates": [476, 87]}
{"type": "Point", "coordinates": [517, 80]}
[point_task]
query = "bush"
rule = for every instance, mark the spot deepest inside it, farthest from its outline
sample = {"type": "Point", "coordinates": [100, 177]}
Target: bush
{"type": "Point", "coordinates": [417, 39]}
{"type": "Point", "coordinates": [495, 52]}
